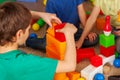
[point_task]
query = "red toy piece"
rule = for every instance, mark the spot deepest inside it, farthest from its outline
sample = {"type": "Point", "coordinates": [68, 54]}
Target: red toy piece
{"type": "Point", "coordinates": [107, 51]}
{"type": "Point", "coordinates": [107, 27]}
{"type": "Point", "coordinates": [58, 35]}
{"type": "Point", "coordinates": [85, 53]}
{"type": "Point", "coordinates": [96, 61]}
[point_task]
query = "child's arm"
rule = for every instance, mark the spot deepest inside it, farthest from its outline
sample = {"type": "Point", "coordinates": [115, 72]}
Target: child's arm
{"type": "Point", "coordinates": [89, 24]}
{"type": "Point", "coordinates": [47, 17]}
{"type": "Point", "coordinates": [69, 62]}
{"type": "Point", "coordinates": [82, 14]}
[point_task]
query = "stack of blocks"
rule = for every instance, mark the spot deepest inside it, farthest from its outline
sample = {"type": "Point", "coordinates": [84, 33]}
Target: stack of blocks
{"type": "Point", "coordinates": [107, 49]}
{"type": "Point", "coordinates": [107, 45]}
{"type": "Point", "coordinates": [56, 46]}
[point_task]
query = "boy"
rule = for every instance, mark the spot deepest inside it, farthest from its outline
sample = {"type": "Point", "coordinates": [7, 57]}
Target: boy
{"type": "Point", "coordinates": [71, 11]}
{"type": "Point", "coordinates": [17, 65]}
{"type": "Point", "coordinates": [108, 7]}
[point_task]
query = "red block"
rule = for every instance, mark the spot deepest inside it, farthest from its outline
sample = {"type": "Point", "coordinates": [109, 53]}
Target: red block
{"type": "Point", "coordinates": [107, 51]}
{"type": "Point", "coordinates": [58, 35]}
{"type": "Point", "coordinates": [85, 53]}
{"type": "Point", "coordinates": [96, 61]}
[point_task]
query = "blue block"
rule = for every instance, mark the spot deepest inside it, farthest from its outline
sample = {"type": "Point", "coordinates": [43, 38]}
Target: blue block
{"type": "Point", "coordinates": [27, 0]}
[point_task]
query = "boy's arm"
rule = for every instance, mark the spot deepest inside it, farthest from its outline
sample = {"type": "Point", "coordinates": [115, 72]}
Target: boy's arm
{"type": "Point", "coordinates": [69, 62]}
{"type": "Point", "coordinates": [89, 24]}
{"type": "Point", "coordinates": [82, 14]}
{"type": "Point", "coordinates": [47, 17]}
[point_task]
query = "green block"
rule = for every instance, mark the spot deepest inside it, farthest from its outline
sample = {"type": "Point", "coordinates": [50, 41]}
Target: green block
{"type": "Point", "coordinates": [116, 54]}
{"type": "Point", "coordinates": [107, 41]}
{"type": "Point", "coordinates": [41, 22]}
{"type": "Point", "coordinates": [2, 1]}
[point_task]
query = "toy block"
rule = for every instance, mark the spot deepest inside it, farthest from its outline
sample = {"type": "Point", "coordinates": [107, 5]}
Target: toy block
{"type": "Point", "coordinates": [107, 28]}
{"type": "Point", "coordinates": [73, 75]}
{"type": "Point", "coordinates": [58, 35]}
{"type": "Point", "coordinates": [109, 59]}
{"type": "Point", "coordinates": [89, 71]}
{"type": "Point", "coordinates": [100, 23]}
{"type": "Point", "coordinates": [81, 78]}
{"type": "Point", "coordinates": [41, 22]}
{"type": "Point", "coordinates": [107, 51]}
{"type": "Point", "coordinates": [61, 76]}
{"type": "Point", "coordinates": [51, 32]}
{"type": "Point", "coordinates": [85, 53]}
{"type": "Point", "coordinates": [114, 77]}
{"type": "Point", "coordinates": [96, 61]}
{"type": "Point", "coordinates": [59, 46]}
{"type": "Point", "coordinates": [52, 53]}
{"type": "Point", "coordinates": [117, 55]}
{"type": "Point", "coordinates": [107, 41]}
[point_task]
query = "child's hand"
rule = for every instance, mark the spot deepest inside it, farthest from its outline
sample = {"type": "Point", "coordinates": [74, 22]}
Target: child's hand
{"type": "Point", "coordinates": [79, 43]}
{"type": "Point", "coordinates": [68, 28]}
{"type": "Point", "coordinates": [48, 18]}
{"type": "Point", "coordinates": [117, 33]}
{"type": "Point", "coordinates": [91, 36]}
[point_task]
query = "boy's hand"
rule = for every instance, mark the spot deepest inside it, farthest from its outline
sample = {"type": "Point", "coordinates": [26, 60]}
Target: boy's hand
{"type": "Point", "coordinates": [68, 28]}
{"type": "Point", "coordinates": [91, 36]}
{"type": "Point", "coordinates": [48, 18]}
{"type": "Point", "coordinates": [117, 33]}
{"type": "Point", "coordinates": [79, 43]}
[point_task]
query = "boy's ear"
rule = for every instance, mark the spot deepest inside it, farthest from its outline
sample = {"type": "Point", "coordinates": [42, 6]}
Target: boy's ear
{"type": "Point", "coordinates": [19, 34]}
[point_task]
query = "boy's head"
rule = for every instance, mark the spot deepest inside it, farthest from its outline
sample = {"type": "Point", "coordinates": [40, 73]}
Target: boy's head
{"type": "Point", "coordinates": [14, 23]}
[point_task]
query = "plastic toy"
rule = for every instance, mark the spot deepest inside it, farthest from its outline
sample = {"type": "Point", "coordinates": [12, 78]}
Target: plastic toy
{"type": "Point", "coordinates": [100, 23]}
{"type": "Point", "coordinates": [117, 63]}
{"type": "Point", "coordinates": [35, 27]}
{"type": "Point", "coordinates": [81, 78]}
{"type": "Point", "coordinates": [89, 71]}
{"type": "Point", "coordinates": [118, 19]}
{"type": "Point", "coordinates": [107, 51]}
{"type": "Point", "coordinates": [41, 22]}
{"type": "Point", "coordinates": [117, 55]}
{"type": "Point", "coordinates": [85, 53]}
{"type": "Point", "coordinates": [44, 2]}
{"type": "Point", "coordinates": [32, 35]}
{"type": "Point", "coordinates": [96, 61]}
{"type": "Point", "coordinates": [38, 24]}
{"type": "Point", "coordinates": [107, 41]}
{"type": "Point", "coordinates": [107, 27]}
{"type": "Point", "coordinates": [99, 76]}
{"type": "Point", "coordinates": [56, 49]}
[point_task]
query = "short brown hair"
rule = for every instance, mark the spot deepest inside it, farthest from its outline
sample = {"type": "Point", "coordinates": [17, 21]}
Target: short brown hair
{"type": "Point", "coordinates": [13, 17]}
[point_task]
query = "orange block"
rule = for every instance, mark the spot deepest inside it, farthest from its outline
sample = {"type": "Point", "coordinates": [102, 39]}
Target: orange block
{"type": "Point", "coordinates": [52, 53]}
{"type": "Point", "coordinates": [73, 75]}
{"type": "Point", "coordinates": [59, 46]}
{"type": "Point", "coordinates": [61, 76]}
{"type": "Point", "coordinates": [100, 23]}
{"type": "Point", "coordinates": [51, 31]}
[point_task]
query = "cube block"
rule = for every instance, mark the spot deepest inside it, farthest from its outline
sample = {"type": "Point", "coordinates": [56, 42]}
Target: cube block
{"type": "Point", "coordinates": [107, 51]}
{"type": "Point", "coordinates": [107, 41]}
